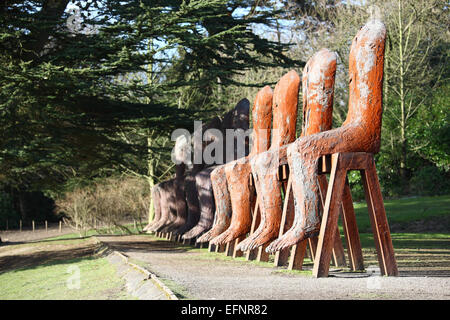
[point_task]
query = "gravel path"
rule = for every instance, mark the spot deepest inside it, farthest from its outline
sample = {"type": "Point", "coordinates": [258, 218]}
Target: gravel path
{"type": "Point", "coordinates": [194, 274]}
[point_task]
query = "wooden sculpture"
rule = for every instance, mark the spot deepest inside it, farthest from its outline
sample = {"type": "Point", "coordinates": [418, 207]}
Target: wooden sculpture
{"type": "Point", "coordinates": [238, 172]}
{"type": "Point", "coordinates": [360, 132]}
{"type": "Point", "coordinates": [233, 120]}
{"type": "Point", "coordinates": [190, 187]}
{"type": "Point", "coordinates": [317, 87]}
{"type": "Point", "coordinates": [262, 118]}
{"type": "Point", "coordinates": [165, 188]}
{"type": "Point", "coordinates": [181, 155]}
{"type": "Point", "coordinates": [206, 203]}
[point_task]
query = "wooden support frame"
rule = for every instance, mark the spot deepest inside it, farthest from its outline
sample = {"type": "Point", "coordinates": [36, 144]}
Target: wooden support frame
{"type": "Point", "coordinates": [295, 255]}
{"type": "Point", "coordinates": [337, 193]}
{"type": "Point", "coordinates": [260, 253]}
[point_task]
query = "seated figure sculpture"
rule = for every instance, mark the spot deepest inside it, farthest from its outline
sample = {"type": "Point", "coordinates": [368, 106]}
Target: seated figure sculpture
{"type": "Point", "coordinates": [166, 216]}
{"type": "Point", "coordinates": [262, 118]}
{"type": "Point", "coordinates": [190, 188]}
{"type": "Point", "coordinates": [181, 154]}
{"type": "Point", "coordinates": [194, 208]}
{"type": "Point", "coordinates": [172, 207]}
{"type": "Point", "coordinates": [283, 131]}
{"type": "Point", "coordinates": [235, 119]}
{"type": "Point", "coordinates": [317, 88]}
{"type": "Point", "coordinates": [361, 132]}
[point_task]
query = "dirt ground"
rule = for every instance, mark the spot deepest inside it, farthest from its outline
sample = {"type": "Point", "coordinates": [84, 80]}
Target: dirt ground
{"type": "Point", "coordinates": [15, 236]}
{"type": "Point", "coordinates": [25, 254]}
{"type": "Point", "coordinates": [194, 274]}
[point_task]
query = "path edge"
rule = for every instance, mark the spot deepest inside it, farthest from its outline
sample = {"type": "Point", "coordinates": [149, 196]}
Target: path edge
{"type": "Point", "coordinates": [158, 283]}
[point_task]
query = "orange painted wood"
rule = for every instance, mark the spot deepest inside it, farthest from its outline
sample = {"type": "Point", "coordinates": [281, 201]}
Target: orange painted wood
{"type": "Point", "coordinates": [354, 250]}
{"type": "Point", "coordinates": [287, 218]}
{"type": "Point", "coordinates": [237, 253]}
{"type": "Point", "coordinates": [256, 217]}
{"type": "Point", "coordinates": [312, 243]}
{"type": "Point", "coordinates": [380, 227]}
{"type": "Point", "coordinates": [338, 200]}
{"type": "Point", "coordinates": [297, 256]}
{"type": "Point", "coordinates": [262, 256]}
{"type": "Point", "coordinates": [338, 249]}
{"type": "Point", "coordinates": [229, 249]}
{"type": "Point", "coordinates": [329, 219]}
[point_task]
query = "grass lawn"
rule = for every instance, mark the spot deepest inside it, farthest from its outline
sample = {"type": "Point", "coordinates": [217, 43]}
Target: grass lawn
{"type": "Point", "coordinates": [401, 211]}
{"type": "Point", "coordinates": [48, 270]}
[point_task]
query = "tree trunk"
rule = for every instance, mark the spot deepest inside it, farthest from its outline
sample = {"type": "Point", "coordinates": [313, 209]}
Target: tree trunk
{"type": "Point", "coordinates": [403, 141]}
{"type": "Point", "coordinates": [150, 180]}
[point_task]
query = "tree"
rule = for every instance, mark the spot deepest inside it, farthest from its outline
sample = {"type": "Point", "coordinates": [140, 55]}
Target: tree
{"type": "Point", "coordinates": [59, 103]}
{"type": "Point", "coordinates": [65, 109]}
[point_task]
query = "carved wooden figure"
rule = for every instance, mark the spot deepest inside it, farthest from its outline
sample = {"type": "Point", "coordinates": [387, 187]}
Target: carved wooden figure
{"type": "Point", "coordinates": [182, 148]}
{"type": "Point", "coordinates": [360, 132]}
{"type": "Point", "coordinates": [233, 120]}
{"type": "Point", "coordinates": [190, 187]}
{"type": "Point", "coordinates": [206, 203]}
{"type": "Point", "coordinates": [237, 172]}
{"type": "Point", "coordinates": [165, 189]}
{"type": "Point", "coordinates": [317, 87]}
{"type": "Point", "coordinates": [222, 204]}
{"type": "Point", "coordinates": [171, 202]}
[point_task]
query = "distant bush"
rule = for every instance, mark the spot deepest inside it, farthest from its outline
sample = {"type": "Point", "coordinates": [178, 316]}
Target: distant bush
{"type": "Point", "coordinates": [112, 202]}
{"type": "Point", "coordinates": [429, 181]}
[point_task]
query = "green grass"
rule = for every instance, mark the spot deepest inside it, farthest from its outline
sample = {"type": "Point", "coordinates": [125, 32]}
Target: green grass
{"type": "Point", "coordinates": [98, 280]}
{"type": "Point", "coordinates": [410, 240]}
{"type": "Point", "coordinates": [406, 210]}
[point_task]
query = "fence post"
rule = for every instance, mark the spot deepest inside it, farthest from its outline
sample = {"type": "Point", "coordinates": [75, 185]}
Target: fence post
{"type": "Point", "coordinates": [46, 226]}
{"type": "Point", "coordinates": [59, 226]}
{"type": "Point", "coordinates": [7, 224]}
{"type": "Point", "coordinates": [32, 224]}
{"type": "Point", "coordinates": [20, 225]}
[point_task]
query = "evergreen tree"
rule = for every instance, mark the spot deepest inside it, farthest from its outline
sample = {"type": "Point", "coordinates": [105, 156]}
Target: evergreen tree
{"type": "Point", "coordinates": [61, 102]}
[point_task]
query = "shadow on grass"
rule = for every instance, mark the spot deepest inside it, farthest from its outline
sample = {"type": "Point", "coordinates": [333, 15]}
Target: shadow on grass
{"type": "Point", "coordinates": [38, 258]}
{"type": "Point", "coordinates": [147, 246]}
{"type": "Point", "coordinates": [417, 254]}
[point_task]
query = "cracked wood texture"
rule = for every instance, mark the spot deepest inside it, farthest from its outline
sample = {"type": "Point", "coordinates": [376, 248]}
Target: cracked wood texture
{"type": "Point", "coordinates": [236, 119]}
{"type": "Point", "coordinates": [318, 94]}
{"type": "Point", "coordinates": [233, 203]}
{"type": "Point", "coordinates": [264, 166]}
{"type": "Point", "coordinates": [190, 185]}
{"type": "Point", "coordinates": [360, 132]}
